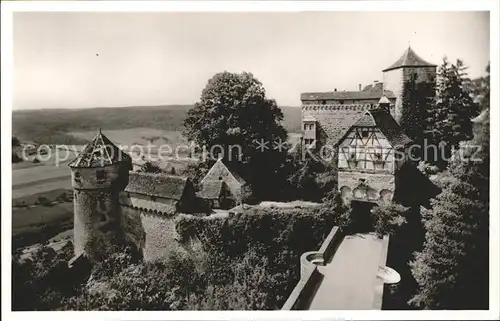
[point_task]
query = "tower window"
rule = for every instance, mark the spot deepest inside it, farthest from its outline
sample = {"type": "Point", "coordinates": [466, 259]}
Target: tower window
{"type": "Point", "coordinates": [78, 178]}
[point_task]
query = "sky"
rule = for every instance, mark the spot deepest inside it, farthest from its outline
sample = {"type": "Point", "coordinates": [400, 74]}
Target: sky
{"type": "Point", "coordinates": [98, 59]}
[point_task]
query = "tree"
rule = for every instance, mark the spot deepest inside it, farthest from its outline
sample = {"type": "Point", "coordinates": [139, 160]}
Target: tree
{"type": "Point", "coordinates": [480, 89]}
{"type": "Point", "coordinates": [418, 102]}
{"type": "Point", "coordinates": [450, 120]}
{"type": "Point", "coordinates": [234, 120]}
{"type": "Point", "coordinates": [453, 267]}
{"type": "Point", "coordinates": [149, 167]}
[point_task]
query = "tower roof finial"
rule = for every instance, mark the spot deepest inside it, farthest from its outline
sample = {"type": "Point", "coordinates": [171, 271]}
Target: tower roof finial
{"type": "Point", "coordinates": [100, 132]}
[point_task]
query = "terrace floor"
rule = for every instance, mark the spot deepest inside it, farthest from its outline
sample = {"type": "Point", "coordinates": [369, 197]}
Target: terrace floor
{"type": "Point", "coordinates": [350, 278]}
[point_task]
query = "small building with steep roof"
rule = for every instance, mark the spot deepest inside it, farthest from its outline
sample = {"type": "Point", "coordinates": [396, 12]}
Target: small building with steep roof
{"type": "Point", "coordinates": [217, 194]}
{"type": "Point", "coordinates": [159, 193]}
{"type": "Point", "coordinates": [221, 172]}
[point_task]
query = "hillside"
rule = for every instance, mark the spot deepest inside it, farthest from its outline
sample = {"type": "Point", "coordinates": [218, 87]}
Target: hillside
{"type": "Point", "coordinates": [51, 126]}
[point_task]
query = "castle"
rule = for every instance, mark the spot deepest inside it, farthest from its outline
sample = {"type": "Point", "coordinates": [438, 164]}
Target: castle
{"type": "Point", "coordinates": [113, 205]}
{"type": "Point", "coordinates": [362, 128]}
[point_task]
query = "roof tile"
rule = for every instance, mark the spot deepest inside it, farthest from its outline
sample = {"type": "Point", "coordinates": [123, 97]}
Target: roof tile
{"type": "Point", "coordinates": [99, 153]}
{"type": "Point", "coordinates": [158, 185]}
{"type": "Point", "coordinates": [409, 59]}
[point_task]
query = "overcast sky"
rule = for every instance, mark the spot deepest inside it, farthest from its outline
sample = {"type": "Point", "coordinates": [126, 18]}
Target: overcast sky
{"type": "Point", "coordinates": [78, 60]}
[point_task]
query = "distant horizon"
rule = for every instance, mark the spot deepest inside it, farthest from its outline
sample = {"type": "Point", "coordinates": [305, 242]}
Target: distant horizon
{"type": "Point", "coordinates": [79, 60]}
{"type": "Point", "coordinates": [118, 107]}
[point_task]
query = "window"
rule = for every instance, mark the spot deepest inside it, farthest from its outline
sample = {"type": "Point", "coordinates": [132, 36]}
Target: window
{"type": "Point", "coordinates": [100, 175]}
{"type": "Point", "coordinates": [153, 198]}
{"type": "Point", "coordinates": [364, 134]}
{"type": "Point", "coordinates": [78, 178]}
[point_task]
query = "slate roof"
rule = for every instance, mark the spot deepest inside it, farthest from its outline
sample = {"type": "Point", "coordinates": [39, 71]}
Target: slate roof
{"type": "Point", "coordinates": [234, 172]}
{"type": "Point", "coordinates": [389, 127]}
{"type": "Point", "coordinates": [230, 168]}
{"type": "Point", "coordinates": [409, 59]}
{"type": "Point", "coordinates": [369, 92]}
{"type": "Point", "coordinates": [211, 189]}
{"type": "Point", "coordinates": [375, 118]}
{"type": "Point", "coordinates": [158, 185]}
{"type": "Point", "coordinates": [340, 122]}
{"type": "Point", "coordinates": [100, 152]}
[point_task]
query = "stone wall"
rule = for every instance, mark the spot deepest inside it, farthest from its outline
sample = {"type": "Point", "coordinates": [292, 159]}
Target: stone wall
{"type": "Point", "coordinates": [153, 232]}
{"type": "Point", "coordinates": [373, 101]}
{"type": "Point", "coordinates": [150, 204]}
{"type": "Point", "coordinates": [96, 222]}
{"type": "Point", "coordinates": [382, 186]}
{"type": "Point", "coordinates": [310, 277]}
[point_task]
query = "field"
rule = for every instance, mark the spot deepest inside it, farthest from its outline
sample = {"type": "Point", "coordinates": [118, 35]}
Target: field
{"type": "Point", "coordinates": [51, 126]}
{"type": "Point", "coordinates": [36, 223]}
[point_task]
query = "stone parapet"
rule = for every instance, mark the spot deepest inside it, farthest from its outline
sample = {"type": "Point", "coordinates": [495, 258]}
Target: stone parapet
{"type": "Point", "coordinates": [310, 277]}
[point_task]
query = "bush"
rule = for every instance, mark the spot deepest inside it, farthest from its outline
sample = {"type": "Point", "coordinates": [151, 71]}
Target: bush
{"type": "Point", "coordinates": [42, 200]}
{"type": "Point", "coordinates": [388, 218]}
{"type": "Point", "coordinates": [149, 167]}
{"type": "Point", "coordinates": [275, 237]}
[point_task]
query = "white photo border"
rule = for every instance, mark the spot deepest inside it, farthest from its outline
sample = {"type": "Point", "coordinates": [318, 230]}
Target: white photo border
{"type": "Point", "coordinates": [9, 8]}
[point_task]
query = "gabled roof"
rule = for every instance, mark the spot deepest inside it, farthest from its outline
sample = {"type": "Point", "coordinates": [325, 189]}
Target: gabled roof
{"type": "Point", "coordinates": [211, 189]}
{"type": "Point", "coordinates": [409, 59]}
{"type": "Point", "coordinates": [384, 100]}
{"type": "Point", "coordinates": [100, 152]}
{"type": "Point", "coordinates": [229, 168]}
{"type": "Point", "coordinates": [369, 92]}
{"type": "Point", "coordinates": [340, 122]}
{"type": "Point", "coordinates": [157, 185]}
{"type": "Point", "coordinates": [389, 127]}
{"type": "Point", "coordinates": [384, 122]}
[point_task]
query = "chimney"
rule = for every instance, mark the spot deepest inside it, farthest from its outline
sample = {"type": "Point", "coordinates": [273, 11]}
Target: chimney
{"type": "Point", "coordinates": [375, 82]}
{"type": "Point", "coordinates": [359, 86]}
{"type": "Point", "coordinates": [335, 89]}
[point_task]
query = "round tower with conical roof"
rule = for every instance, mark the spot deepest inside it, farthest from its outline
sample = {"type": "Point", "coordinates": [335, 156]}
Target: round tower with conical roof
{"type": "Point", "coordinates": [408, 66]}
{"type": "Point", "coordinates": [98, 174]}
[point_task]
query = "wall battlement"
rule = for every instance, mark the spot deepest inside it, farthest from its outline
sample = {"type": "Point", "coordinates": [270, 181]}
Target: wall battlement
{"type": "Point", "coordinates": [352, 107]}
